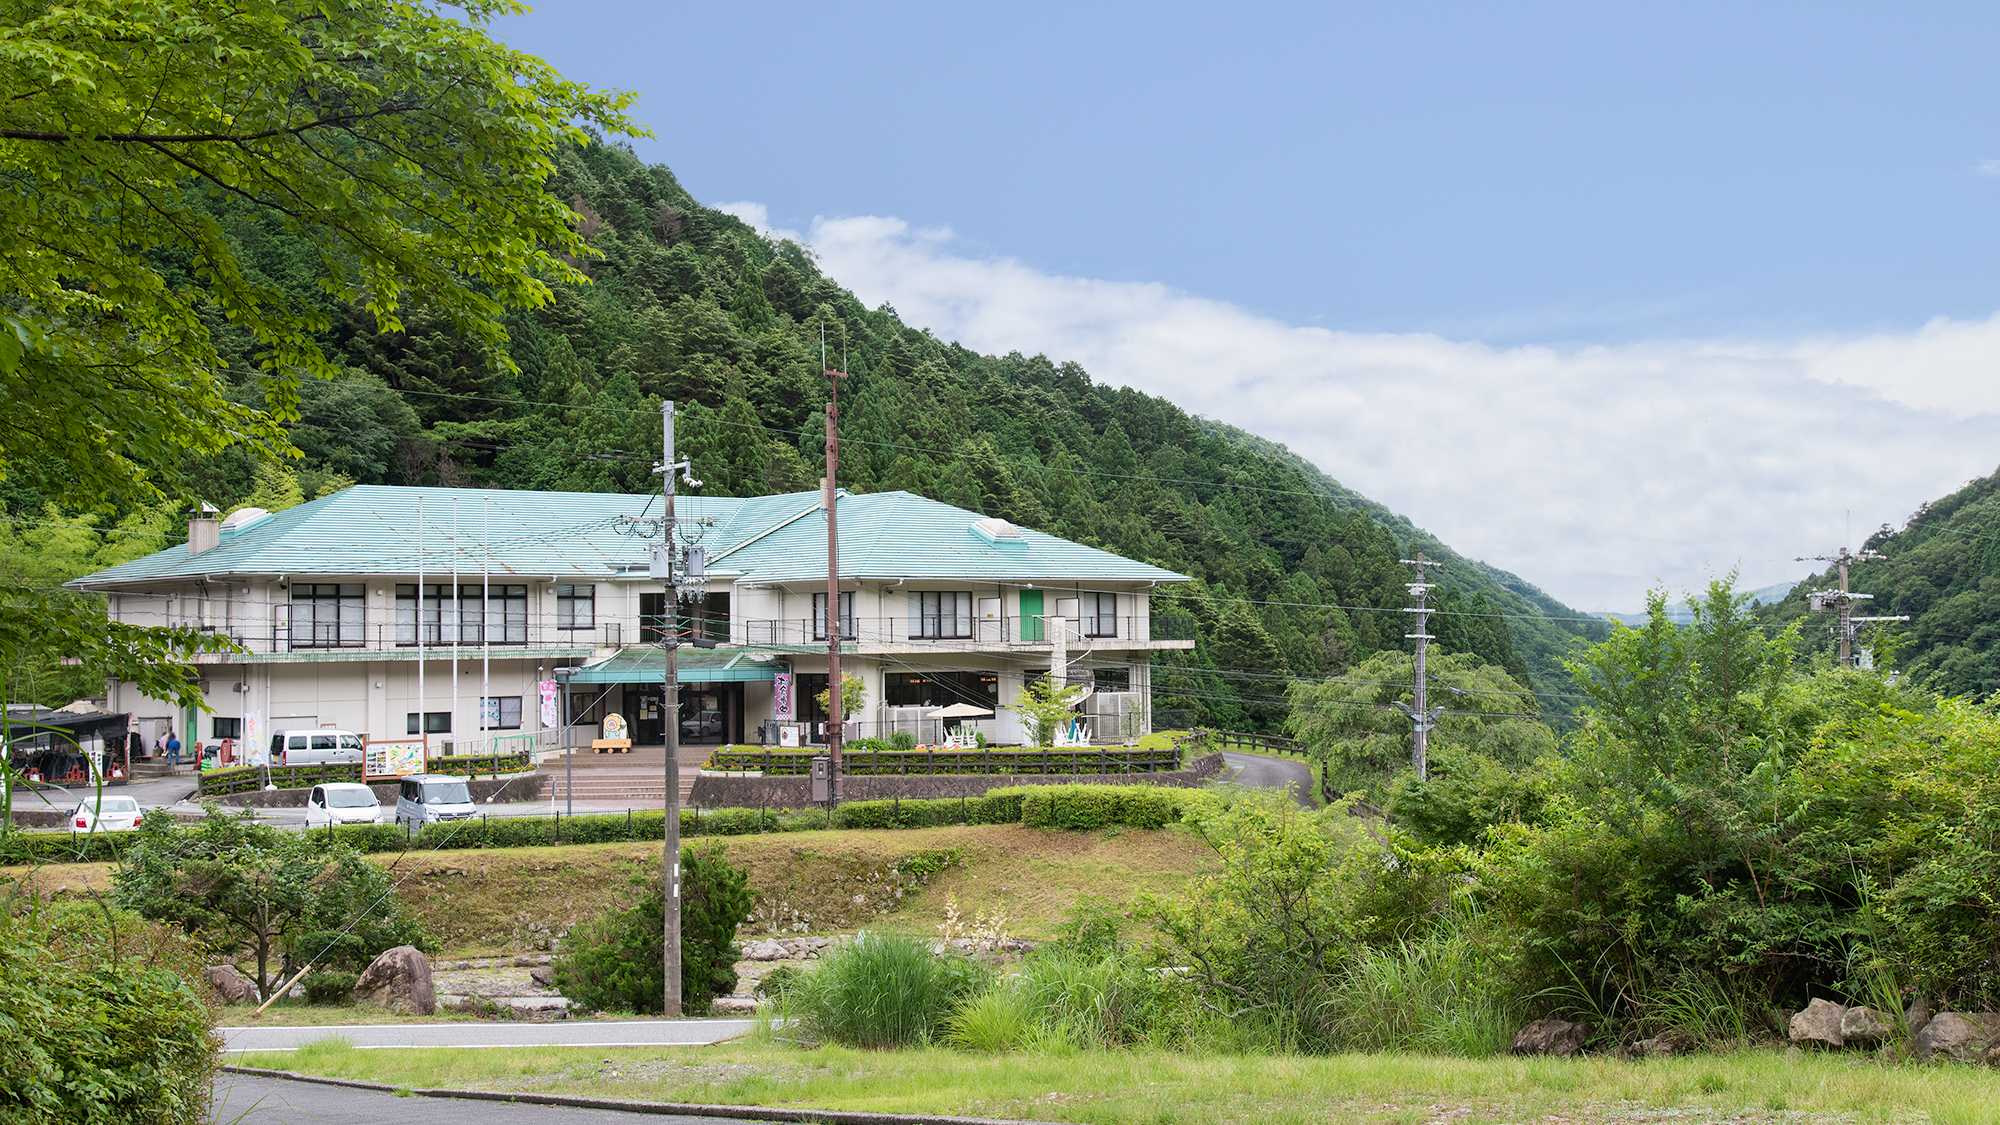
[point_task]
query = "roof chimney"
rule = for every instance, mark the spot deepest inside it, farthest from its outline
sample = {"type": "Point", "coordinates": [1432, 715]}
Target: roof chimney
{"type": "Point", "coordinates": [204, 530]}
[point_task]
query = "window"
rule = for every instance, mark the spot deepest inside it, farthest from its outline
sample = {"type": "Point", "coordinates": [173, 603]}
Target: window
{"type": "Point", "coordinates": [576, 607]}
{"type": "Point", "coordinates": [940, 689]}
{"type": "Point", "coordinates": [502, 712]}
{"type": "Point", "coordinates": [1099, 614]}
{"type": "Point", "coordinates": [1112, 679]}
{"type": "Point", "coordinates": [326, 615]}
{"type": "Point", "coordinates": [227, 727]}
{"type": "Point", "coordinates": [944, 614]}
{"type": "Point", "coordinates": [846, 616]}
{"type": "Point", "coordinates": [435, 722]}
{"type": "Point", "coordinates": [457, 614]}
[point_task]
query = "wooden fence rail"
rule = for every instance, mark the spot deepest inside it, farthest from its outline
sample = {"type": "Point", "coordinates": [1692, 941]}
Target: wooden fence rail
{"type": "Point", "coordinates": [889, 763]}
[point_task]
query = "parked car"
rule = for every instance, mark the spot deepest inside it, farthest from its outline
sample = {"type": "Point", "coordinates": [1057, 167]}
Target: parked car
{"type": "Point", "coordinates": [342, 802]}
{"type": "Point", "coordinates": [430, 798]}
{"type": "Point", "coordinates": [315, 747]}
{"type": "Point", "coordinates": [106, 814]}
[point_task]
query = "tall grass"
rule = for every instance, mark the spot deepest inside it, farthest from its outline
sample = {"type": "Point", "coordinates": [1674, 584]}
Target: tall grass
{"type": "Point", "coordinates": [1440, 993]}
{"type": "Point", "coordinates": [882, 990]}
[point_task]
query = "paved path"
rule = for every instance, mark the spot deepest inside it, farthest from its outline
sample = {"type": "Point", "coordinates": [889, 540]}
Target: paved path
{"type": "Point", "coordinates": [271, 1101]}
{"type": "Point", "coordinates": [1271, 773]}
{"type": "Point", "coordinates": [561, 1033]}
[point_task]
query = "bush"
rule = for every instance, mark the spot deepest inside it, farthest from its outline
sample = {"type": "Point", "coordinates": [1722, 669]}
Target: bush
{"type": "Point", "coordinates": [903, 741]}
{"type": "Point", "coordinates": [100, 1021]}
{"type": "Point", "coordinates": [1084, 807]}
{"type": "Point", "coordinates": [779, 982]}
{"type": "Point", "coordinates": [884, 990]}
{"type": "Point", "coordinates": [617, 961]}
{"type": "Point", "coordinates": [1005, 809]}
{"type": "Point", "coordinates": [329, 986]}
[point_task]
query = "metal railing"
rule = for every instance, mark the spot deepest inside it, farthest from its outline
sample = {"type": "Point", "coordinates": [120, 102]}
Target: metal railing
{"type": "Point", "coordinates": [889, 763]}
{"type": "Point", "coordinates": [1105, 630]}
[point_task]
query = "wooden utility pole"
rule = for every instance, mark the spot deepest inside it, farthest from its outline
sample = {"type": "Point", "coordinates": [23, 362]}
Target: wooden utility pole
{"type": "Point", "coordinates": [830, 497]}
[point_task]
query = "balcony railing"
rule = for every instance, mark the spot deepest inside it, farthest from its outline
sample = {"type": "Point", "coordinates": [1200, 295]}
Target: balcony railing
{"type": "Point", "coordinates": [946, 632]}
{"type": "Point", "coordinates": [279, 639]}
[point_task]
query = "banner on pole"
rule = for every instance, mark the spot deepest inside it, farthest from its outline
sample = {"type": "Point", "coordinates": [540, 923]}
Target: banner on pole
{"type": "Point", "coordinates": [551, 716]}
{"type": "Point", "coordinates": [253, 750]}
{"type": "Point", "coordinates": [781, 701]}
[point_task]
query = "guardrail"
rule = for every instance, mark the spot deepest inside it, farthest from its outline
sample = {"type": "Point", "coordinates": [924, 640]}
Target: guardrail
{"type": "Point", "coordinates": [1018, 761]}
{"type": "Point", "coordinates": [1245, 741]}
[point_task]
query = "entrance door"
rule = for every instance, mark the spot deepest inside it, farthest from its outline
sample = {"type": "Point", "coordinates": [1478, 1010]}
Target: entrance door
{"type": "Point", "coordinates": [649, 727]}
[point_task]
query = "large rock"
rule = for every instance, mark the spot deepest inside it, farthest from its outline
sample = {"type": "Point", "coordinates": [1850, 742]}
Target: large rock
{"type": "Point", "coordinates": [766, 950]}
{"type": "Point", "coordinates": [1958, 1035]}
{"type": "Point", "coordinates": [1819, 1023]}
{"type": "Point", "coordinates": [1863, 1026]}
{"type": "Point", "coordinates": [230, 985]}
{"type": "Point", "coordinates": [1551, 1037]}
{"type": "Point", "coordinates": [399, 980]}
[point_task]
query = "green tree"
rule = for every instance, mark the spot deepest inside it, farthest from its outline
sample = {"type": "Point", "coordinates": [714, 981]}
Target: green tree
{"type": "Point", "coordinates": [401, 147]}
{"type": "Point", "coordinates": [617, 961]}
{"type": "Point", "coordinates": [236, 884]}
{"type": "Point", "coordinates": [853, 696]}
{"type": "Point", "coordinates": [1044, 708]}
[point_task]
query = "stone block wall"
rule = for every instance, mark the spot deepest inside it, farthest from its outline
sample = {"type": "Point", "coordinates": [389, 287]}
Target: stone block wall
{"type": "Point", "coordinates": [795, 792]}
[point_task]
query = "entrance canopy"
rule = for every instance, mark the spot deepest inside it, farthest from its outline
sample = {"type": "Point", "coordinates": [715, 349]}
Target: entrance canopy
{"type": "Point", "coordinates": [695, 665]}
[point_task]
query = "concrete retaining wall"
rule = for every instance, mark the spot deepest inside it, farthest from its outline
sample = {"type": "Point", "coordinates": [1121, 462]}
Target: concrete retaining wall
{"type": "Point", "coordinates": [796, 792]}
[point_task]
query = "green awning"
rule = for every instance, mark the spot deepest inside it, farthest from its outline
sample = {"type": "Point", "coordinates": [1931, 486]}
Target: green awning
{"type": "Point", "coordinates": [696, 666]}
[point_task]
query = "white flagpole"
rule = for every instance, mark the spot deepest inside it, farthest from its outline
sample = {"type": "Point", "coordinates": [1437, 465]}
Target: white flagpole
{"type": "Point", "coordinates": [485, 619]}
{"type": "Point", "coordinates": [457, 622]}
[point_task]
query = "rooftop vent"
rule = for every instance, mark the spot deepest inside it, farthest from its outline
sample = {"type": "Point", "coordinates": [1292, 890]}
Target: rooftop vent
{"type": "Point", "coordinates": [996, 530]}
{"type": "Point", "coordinates": [242, 518]}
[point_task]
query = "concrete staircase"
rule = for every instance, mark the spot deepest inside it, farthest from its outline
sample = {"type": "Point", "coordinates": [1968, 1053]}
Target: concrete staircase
{"type": "Point", "coordinates": [632, 780]}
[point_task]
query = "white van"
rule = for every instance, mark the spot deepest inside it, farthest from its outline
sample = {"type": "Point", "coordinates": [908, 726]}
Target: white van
{"type": "Point", "coordinates": [432, 797]}
{"type": "Point", "coordinates": [315, 748]}
{"type": "Point", "coordinates": [342, 802]}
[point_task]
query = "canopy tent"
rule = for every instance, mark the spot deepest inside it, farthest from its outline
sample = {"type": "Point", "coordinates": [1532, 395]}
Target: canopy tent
{"type": "Point", "coordinates": [960, 711]}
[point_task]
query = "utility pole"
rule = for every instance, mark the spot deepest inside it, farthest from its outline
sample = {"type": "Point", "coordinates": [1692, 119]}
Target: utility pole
{"type": "Point", "coordinates": [1840, 602]}
{"type": "Point", "coordinates": [670, 710]}
{"type": "Point", "coordinates": [831, 494]}
{"type": "Point", "coordinates": [1421, 719]}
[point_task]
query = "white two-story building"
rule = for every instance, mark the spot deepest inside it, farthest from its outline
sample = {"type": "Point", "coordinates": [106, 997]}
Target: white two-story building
{"type": "Point", "coordinates": [395, 612]}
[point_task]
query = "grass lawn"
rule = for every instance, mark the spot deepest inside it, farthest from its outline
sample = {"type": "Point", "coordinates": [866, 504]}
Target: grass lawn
{"type": "Point", "coordinates": [480, 901]}
{"type": "Point", "coordinates": [1144, 1087]}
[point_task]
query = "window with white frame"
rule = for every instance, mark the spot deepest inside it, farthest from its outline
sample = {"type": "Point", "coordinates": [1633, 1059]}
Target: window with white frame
{"type": "Point", "coordinates": [1099, 614]}
{"type": "Point", "coordinates": [503, 712]}
{"type": "Point", "coordinates": [327, 615]}
{"type": "Point", "coordinates": [846, 615]}
{"type": "Point", "coordinates": [576, 607]}
{"type": "Point", "coordinates": [944, 613]}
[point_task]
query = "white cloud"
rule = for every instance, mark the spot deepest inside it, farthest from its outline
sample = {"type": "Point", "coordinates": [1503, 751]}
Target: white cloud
{"type": "Point", "coordinates": [1594, 472]}
{"type": "Point", "coordinates": [1989, 167]}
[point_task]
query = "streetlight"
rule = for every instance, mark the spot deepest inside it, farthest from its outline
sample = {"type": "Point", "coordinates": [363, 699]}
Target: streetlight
{"type": "Point", "coordinates": [569, 749]}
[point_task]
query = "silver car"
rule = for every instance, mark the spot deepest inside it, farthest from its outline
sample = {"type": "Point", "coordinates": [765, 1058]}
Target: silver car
{"type": "Point", "coordinates": [342, 802]}
{"type": "Point", "coordinates": [106, 814]}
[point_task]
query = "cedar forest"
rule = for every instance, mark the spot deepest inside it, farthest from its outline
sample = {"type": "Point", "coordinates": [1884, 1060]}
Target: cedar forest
{"type": "Point", "coordinates": [1297, 577]}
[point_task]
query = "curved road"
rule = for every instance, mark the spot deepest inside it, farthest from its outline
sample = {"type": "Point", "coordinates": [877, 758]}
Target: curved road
{"type": "Point", "coordinates": [243, 1099]}
{"type": "Point", "coordinates": [562, 1033]}
{"type": "Point", "coordinates": [1271, 773]}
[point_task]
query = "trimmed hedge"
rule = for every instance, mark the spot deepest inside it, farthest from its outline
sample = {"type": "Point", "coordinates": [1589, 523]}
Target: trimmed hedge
{"type": "Point", "coordinates": [1084, 807]}
{"type": "Point", "coordinates": [999, 806]}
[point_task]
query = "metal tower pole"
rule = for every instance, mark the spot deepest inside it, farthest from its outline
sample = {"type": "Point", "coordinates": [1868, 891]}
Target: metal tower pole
{"type": "Point", "coordinates": [670, 683]}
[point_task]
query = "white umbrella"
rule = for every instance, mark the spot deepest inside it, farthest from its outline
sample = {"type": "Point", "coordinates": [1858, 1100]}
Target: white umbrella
{"type": "Point", "coordinates": [961, 711]}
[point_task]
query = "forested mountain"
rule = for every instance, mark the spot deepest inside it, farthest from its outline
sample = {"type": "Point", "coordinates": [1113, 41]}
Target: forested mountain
{"type": "Point", "coordinates": [1297, 576]}
{"type": "Point", "coordinates": [1943, 570]}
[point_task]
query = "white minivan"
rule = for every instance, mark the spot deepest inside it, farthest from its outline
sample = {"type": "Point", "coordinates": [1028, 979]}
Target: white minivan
{"type": "Point", "coordinates": [432, 797]}
{"type": "Point", "coordinates": [342, 802]}
{"type": "Point", "coordinates": [315, 748]}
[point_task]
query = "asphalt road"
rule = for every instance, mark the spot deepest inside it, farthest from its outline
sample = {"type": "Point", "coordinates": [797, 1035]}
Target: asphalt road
{"type": "Point", "coordinates": [561, 1033]}
{"type": "Point", "coordinates": [1271, 773]}
{"type": "Point", "coordinates": [253, 1100]}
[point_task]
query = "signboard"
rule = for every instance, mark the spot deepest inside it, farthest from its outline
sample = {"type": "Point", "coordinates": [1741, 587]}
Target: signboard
{"type": "Point", "coordinates": [781, 699]}
{"type": "Point", "coordinates": [256, 748]}
{"type": "Point", "coordinates": [551, 715]}
{"type": "Point", "coordinates": [614, 726]}
{"type": "Point", "coordinates": [398, 758]}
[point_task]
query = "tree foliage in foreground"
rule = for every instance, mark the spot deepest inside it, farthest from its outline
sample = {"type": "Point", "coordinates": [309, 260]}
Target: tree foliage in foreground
{"type": "Point", "coordinates": [147, 148]}
{"type": "Point", "coordinates": [617, 961]}
{"type": "Point", "coordinates": [100, 1020]}
{"type": "Point", "coordinates": [237, 886]}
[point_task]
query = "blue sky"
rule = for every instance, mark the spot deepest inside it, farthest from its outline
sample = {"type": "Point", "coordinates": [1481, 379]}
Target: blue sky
{"type": "Point", "coordinates": [1576, 208]}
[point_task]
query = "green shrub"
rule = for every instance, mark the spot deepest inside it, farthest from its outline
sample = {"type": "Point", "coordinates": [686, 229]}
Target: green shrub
{"type": "Point", "coordinates": [1086, 807]}
{"type": "Point", "coordinates": [617, 961]}
{"type": "Point", "coordinates": [329, 986]}
{"type": "Point", "coordinates": [884, 990]}
{"type": "Point", "coordinates": [998, 1020]}
{"type": "Point", "coordinates": [779, 982]}
{"type": "Point", "coordinates": [101, 1023]}
{"type": "Point", "coordinates": [989, 809]}
{"type": "Point", "coordinates": [871, 744]}
{"type": "Point", "coordinates": [903, 741]}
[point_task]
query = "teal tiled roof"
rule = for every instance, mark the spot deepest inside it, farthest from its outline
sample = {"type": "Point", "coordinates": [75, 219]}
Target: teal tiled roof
{"type": "Point", "coordinates": [576, 536]}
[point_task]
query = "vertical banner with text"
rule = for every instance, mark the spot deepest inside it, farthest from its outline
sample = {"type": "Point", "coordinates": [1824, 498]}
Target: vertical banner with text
{"type": "Point", "coordinates": [781, 697]}
{"type": "Point", "coordinates": [551, 714]}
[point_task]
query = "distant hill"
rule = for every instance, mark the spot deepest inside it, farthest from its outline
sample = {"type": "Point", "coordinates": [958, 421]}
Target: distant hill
{"type": "Point", "coordinates": [1680, 614]}
{"type": "Point", "coordinates": [1943, 570]}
